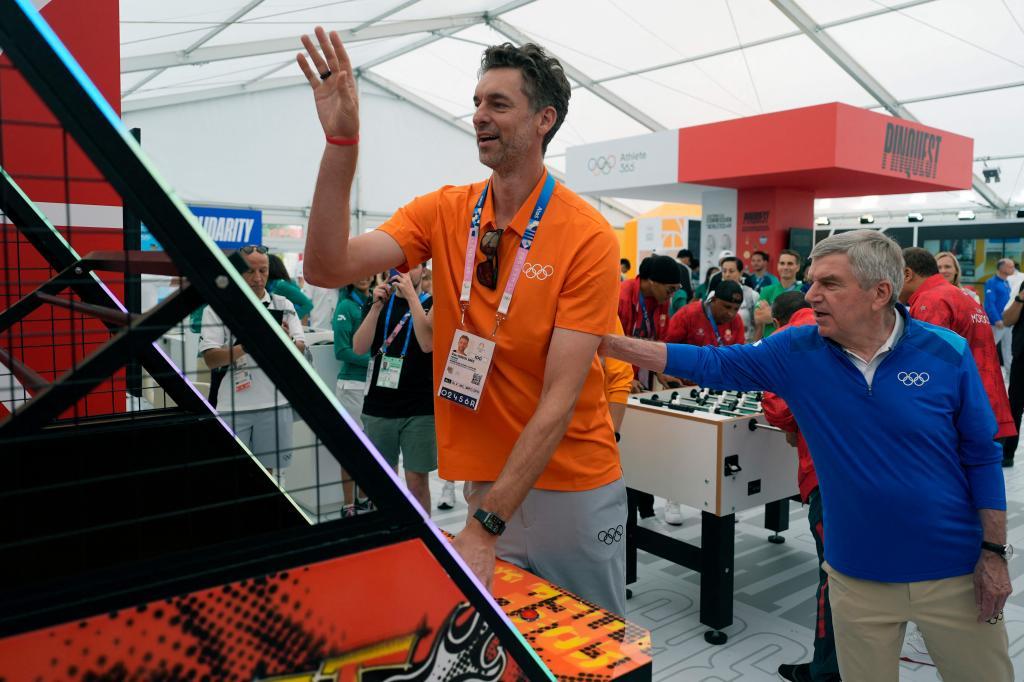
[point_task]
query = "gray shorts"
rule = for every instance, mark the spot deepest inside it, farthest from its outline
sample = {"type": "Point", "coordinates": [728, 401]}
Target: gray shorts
{"type": "Point", "coordinates": [350, 395]}
{"type": "Point", "coordinates": [576, 540]}
{"type": "Point", "coordinates": [413, 437]}
{"type": "Point", "coordinates": [267, 433]}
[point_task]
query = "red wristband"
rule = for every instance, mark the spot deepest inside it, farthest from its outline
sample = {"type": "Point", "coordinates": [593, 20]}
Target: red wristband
{"type": "Point", "coordinates": [343, 141]}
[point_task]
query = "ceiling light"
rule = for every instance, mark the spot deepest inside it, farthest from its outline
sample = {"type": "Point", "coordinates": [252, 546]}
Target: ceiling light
{"type": "Point", "coordinates": [965, 215]}
{"type": "Point", "coordinates": [990, 175]}
{"type": "Point", "coordinates": [867, 219]}
{"type": "Point", "coordinates": [822, 220]}
{"type": "Point", "coordinates": [915, 218]}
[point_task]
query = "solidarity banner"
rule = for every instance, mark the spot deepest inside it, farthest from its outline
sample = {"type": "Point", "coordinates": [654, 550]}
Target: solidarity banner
{"type": "Point", "coordinates": [231, 228]}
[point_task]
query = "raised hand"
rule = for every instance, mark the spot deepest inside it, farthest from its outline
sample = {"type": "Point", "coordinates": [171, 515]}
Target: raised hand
{"type": "Point", "coordinates": [381, 293]}
{"type": "Point", "coordinates": [403, 282]}
{"type": "Point", "coordinates": [334, 86]}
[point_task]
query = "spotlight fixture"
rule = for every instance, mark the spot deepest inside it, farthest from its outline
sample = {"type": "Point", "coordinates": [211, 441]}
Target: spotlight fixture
{"type": "Point", "coordinates": [822, 220]}
{"type": "Point", "coordinates": [915, 217]}
{"type": "Point", "coordinates": [990, 174]}
{"type": "Point", "coordinates": [965, 215]}
{"type": "Point", "coordinates": [867, 219]}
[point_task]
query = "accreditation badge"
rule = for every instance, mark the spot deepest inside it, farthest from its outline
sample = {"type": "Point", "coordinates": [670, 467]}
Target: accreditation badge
{"type": "Point", "coordinates": [390, 372]}
{"type": "Point", "coordinates": [465, 371]}
{"type": "Point", "coordinates": [242, 381]}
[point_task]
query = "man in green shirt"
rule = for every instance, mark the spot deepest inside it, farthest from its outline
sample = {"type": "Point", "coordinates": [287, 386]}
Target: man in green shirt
{"type": "Point", "coordinates": [789, 265]}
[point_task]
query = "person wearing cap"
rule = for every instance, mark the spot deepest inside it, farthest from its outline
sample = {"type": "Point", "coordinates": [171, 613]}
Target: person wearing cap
{"type": "Point", "coordinates": [714, 322]}
{"type": "Point", "coordinates": [644, 314]}
{"type": "Point", "coordinates": [644, 300]}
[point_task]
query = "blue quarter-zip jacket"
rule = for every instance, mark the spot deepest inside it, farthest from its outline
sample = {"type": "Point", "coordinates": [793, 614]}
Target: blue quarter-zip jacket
{"type": "Point", "coordinates": [903, 465]}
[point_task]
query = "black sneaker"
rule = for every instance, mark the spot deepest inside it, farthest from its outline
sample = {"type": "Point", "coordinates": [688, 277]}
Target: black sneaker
{"type": "Point", "coordinates": [801, 672]}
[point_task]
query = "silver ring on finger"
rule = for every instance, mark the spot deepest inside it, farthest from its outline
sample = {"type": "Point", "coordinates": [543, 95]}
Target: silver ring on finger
{"type": "Point", "coordinates": [325, 75]}
{"type": "Point", "coordinates": [996, 618]}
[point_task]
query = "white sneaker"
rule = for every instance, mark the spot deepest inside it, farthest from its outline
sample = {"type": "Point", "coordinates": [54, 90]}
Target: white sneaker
{"type": "Point", "coordinates": [447, 500]}
{"type": "Point", "coordinates": [914, 649]}
{"type": "Point", "coordinates": [673, 514]}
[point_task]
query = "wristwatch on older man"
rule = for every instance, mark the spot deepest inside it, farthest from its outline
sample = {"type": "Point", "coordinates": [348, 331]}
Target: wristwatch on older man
{"type": "Point", "coordinates": [1005, 551]}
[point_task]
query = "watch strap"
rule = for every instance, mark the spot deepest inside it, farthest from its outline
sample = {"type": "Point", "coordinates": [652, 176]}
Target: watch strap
{"type": "Point", "coordinates": [994, 548]}
{"type": "Point", "coordinates": [491, 522]}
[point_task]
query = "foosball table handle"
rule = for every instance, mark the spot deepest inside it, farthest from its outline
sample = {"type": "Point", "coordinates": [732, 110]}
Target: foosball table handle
{"type": "Point", "coordinates": [754, 425]}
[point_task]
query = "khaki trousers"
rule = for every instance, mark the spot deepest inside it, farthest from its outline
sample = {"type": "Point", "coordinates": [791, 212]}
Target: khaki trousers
{"type": "Point", "coordinates": [870, 619]}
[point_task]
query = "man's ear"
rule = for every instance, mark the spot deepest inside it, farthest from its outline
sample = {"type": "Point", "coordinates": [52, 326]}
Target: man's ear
{"type": "Point", "coordinates": [548, 117]}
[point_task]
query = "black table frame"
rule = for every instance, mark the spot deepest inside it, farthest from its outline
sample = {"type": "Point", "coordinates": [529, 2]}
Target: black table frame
{"type": "Point", "coordinates": [714, 559]}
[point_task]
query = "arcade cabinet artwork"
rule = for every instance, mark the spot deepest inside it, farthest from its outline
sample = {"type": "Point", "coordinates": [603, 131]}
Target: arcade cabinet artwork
{"type": "Point", "coordinates": [147, 542]}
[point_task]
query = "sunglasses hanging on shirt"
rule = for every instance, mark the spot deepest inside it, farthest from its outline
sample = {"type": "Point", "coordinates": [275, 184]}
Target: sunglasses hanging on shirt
{"type": "Point", "coordinates": [487, 271]}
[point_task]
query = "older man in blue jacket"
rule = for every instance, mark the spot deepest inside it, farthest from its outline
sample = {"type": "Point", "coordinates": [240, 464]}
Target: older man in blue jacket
{"type": "Point", "coordinates": [901, 430]}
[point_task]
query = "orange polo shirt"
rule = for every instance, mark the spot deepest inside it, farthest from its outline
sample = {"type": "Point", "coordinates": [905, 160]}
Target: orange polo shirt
{"type": "Point", "coordinates": [574, 256]}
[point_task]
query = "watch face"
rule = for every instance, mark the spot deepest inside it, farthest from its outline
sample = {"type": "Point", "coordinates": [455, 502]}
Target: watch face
{"type": "Point", "coordinates": [490, 521]}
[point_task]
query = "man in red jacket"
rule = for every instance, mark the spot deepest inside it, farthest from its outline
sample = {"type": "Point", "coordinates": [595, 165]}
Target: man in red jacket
{"type": "Point", "coordinates": [791, 310]}
{"type": "Point", "coordinates": [933, 299]}
{"type": "Point", "coordinates": [713, 322]}
{"type": "Point", "coordinates": [643, 301]}
{"type": "Point", "coordinates": [643, 312]}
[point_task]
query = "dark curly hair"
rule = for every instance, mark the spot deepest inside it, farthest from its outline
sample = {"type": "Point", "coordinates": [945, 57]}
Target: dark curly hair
{"type": "Point", "coordinates": [544, 81]}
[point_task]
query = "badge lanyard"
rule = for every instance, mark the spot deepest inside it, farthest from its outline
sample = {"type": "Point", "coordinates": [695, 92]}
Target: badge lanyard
{"type": "Point", "coordinates": [357, 298]}
{"type": "Point", "coordinates": [714, 325]}
{"type": "Point", "coordinates": [524, 249]}
{"type": "Point", "coordinates": [648, 328]}
{"type": "Point", "coordinates": [398, 327]}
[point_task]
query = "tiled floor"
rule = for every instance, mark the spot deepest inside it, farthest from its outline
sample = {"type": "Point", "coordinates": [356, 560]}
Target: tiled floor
{"type": "Point", "coordinates": [774, 598]}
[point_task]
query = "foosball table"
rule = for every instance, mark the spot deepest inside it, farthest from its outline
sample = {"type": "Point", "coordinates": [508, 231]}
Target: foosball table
{"type": "Point", "coordinates": [715, 452]}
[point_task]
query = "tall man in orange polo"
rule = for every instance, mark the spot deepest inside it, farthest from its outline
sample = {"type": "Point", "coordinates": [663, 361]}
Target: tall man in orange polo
{"type": "Point", "coordinates": [531, 432]}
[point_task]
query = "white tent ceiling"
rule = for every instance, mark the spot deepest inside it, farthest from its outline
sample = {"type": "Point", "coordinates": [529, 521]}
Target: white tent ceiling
{"type": "Point", "coordinates": [635, 66]}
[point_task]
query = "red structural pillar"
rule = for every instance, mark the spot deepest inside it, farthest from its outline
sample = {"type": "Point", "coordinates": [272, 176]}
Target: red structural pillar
{"type": "Point", "coordinates": [764, 217]}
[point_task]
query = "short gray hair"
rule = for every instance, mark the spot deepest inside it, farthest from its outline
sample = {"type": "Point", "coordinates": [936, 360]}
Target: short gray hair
{"type": "Point", "coordinates": [873, 256]}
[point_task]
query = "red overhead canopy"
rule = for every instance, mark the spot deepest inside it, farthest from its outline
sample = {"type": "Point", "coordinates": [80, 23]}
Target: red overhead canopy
{"type": "Point", "coordinates": [832, 150]}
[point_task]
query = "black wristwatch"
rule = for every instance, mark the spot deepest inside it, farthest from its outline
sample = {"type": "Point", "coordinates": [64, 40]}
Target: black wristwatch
{"type": "Point", "coordinates": [1005, 551]}
{"type": "Point", "coordinates": [491, 522]}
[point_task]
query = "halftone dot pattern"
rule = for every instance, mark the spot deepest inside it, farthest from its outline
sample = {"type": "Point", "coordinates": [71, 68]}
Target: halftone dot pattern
{"type": "Point", "coordinates": [361, 614]}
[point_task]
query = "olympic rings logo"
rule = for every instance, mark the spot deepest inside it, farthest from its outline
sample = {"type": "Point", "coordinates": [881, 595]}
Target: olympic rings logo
{"type": "Point", "coordinates": [537, 271]}
{"type": "Point", "coordinates": [611, 535]}
{"type": "Point", "coordinates": [913, 378]}
{"type": "Point", "coordinates": [601, 165]}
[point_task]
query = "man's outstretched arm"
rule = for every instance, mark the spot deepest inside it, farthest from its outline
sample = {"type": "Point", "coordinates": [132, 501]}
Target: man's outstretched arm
{"type": "Point", "coordinates": [640, 352]}
{"type": "Point", "coordinates": [331, 259]}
